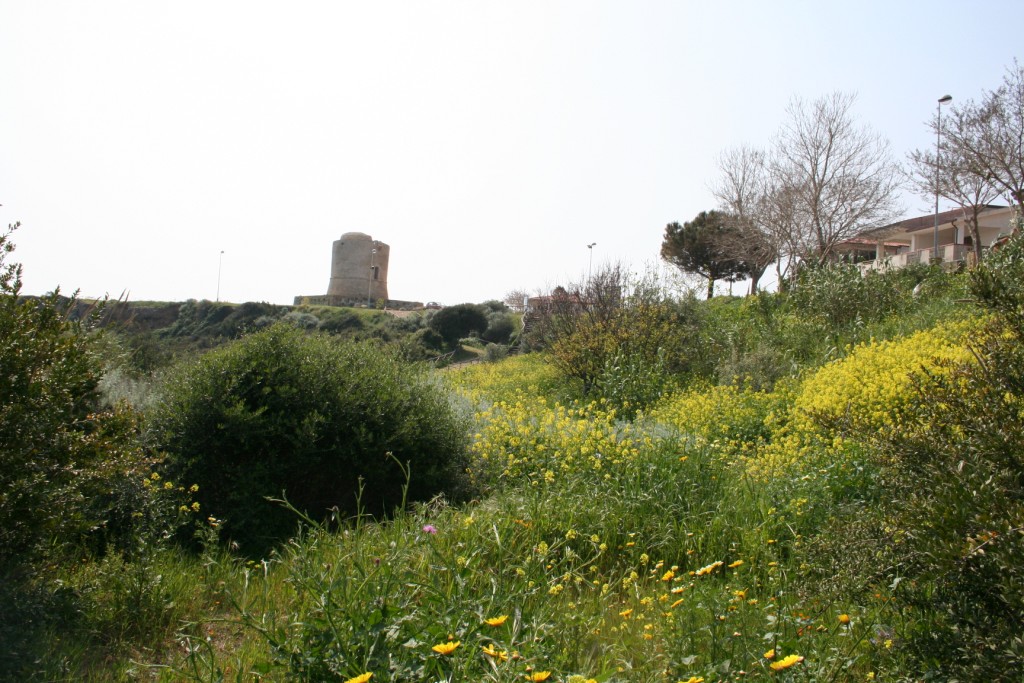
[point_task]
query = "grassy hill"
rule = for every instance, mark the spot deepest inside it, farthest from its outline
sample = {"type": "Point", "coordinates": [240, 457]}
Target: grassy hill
{"type": "Point", "coordinates": [821, 484]}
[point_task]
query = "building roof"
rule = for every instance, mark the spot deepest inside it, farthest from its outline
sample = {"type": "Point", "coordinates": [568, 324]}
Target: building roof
{"type": "Point", "coordinates": [926, 222]}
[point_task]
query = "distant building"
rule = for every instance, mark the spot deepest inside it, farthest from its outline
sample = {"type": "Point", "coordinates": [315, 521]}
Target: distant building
{"type": "Point", "coordinates": [359, 275]}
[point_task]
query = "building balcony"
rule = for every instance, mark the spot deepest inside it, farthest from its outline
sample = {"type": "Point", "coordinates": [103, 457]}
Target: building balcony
{"type": "Point", "coordinates": [949, 255]}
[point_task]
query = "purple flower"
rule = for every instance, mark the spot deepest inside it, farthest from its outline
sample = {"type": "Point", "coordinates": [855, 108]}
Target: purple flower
{"type": "Point", "coordinates": [429, 529]}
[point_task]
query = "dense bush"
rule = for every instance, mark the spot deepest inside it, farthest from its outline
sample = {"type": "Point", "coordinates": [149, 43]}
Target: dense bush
{"type": "Point", "coordinates": [52, 432]}
{"type": "Point", "coordinates": [500, 327]}
{"type": "Point", "coordinates": [602, 332]}
{"type": "Point", "coordinates": [337, 320]}
{"type": "Point", "coordinates": [324, 423]}
{"type": "Point", "coordinates": [456, 322]}
{"type": "Point", "coordinates": [839, 294]}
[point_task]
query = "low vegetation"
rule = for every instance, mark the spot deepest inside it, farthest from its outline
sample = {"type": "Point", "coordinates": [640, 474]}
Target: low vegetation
{"type": "Point", "coordinates": [795, 486]}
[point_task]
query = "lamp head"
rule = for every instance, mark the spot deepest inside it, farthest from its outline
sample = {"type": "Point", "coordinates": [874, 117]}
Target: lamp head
{"type": "Point", "coordinates": [945, 99]}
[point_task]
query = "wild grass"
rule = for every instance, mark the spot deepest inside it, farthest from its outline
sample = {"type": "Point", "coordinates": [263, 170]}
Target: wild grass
{"type": "Point", "coordinates": [605, 551]}
{"type": "Point", "coordinates": [727, 533]}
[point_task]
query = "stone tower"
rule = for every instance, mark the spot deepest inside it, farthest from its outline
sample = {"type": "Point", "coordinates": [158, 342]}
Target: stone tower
{"type": "Point", "coordinates": [359, 269]}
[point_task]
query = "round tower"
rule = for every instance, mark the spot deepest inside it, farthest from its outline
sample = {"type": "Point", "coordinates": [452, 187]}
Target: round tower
{"type": "Point", "coordinates": [359, 268]}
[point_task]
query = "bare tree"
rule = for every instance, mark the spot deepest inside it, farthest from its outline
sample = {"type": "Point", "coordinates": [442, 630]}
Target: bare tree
{"type": "Point", "coordinates": [951, 174]}
{"type": "Point", "coordinates": [990, 135]}
{"type": "Point", "coordinates": [516, 299]}
{"type": "Point", "coordinates": [832, 178]}
{"type": "Point", "coordinates": [742, 190]}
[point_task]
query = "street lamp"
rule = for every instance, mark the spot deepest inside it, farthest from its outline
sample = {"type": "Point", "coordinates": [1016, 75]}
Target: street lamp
{"type": "Point", "coordinates": [590, 266]}
{"type": "Point", "coordinates": [220, 263]}
{"type": "Point", "coordinates": [945, 99]}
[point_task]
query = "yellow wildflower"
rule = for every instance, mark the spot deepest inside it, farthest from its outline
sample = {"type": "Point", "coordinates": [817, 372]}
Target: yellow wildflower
{"type": "Point", "coordinates": [494, 653]}
{"type": "Point", "coordinates": [496, 621]}
{"type": "Point", "coordinates": [735, 564]}
{"type": "Point", "coordinates": [786, 662]}
{"type": "Point", "coordinates": [708, 569]}
{"type": "Point", "coordinates": [844, 619]}
{"type": "Point", "coordinates": [446, 648]}
{"type": "Point", "coordinates": [361, 678]}
{"type": "Point", "coordinates": [770, 654]}
{"type": "Point", "coordinates": [538, 676]}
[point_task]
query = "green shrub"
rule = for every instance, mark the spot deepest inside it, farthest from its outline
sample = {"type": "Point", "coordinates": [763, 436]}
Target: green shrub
{"type": "Point", "coordinates": [305, 321]}
{"type": "Point", "coordinates": [52, 432]}
{"type": "Point", "coordinates": [426, 342]}
{"type": "Point", "coordinates": [633, 382]}
{"type": "Point", "coordinates": [500, 327]}
{"type": "Point", "coordinates": [319, 421]}
{"type": "Point", "coordinates": [495, 352]}
{"type": "Point", "coordinates": [614, 321]}
{"type": "Point", "coordinates": [336, 320]}
{"type": "Point", "coordinates": [456, 322]}
{"type": "Point", "coordinates": [840, 295]}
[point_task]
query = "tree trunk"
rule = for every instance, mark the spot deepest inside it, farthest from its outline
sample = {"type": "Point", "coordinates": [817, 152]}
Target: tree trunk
{"type": "Point", "coordinates": [755, 277]}
{"type": "Point", "coordinates": [711, 288]}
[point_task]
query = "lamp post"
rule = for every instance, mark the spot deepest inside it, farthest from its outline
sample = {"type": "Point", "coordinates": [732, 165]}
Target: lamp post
{"type": "Point", "coordinates": [945, 99]}
{"type": "Point", "coordinates": [590, 266]}
{"type": "Point", "coordinates": [220, 263]}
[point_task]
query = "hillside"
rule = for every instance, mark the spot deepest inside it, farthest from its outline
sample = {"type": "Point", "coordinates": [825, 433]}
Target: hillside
{"type": "Point", "coordinates": [818, 484]}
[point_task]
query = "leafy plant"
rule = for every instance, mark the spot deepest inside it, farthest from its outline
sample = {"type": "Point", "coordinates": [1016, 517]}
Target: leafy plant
{"type": "Point", "coordinates": [455, 322]}
{"type": "Point", "coordinates": [50, 427]}
{"type": "Point", "coordinates": [281, 412]}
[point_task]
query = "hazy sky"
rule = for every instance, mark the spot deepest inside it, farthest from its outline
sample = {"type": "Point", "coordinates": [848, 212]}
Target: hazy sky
{"type": "Point", "coordinates": [487, 142]}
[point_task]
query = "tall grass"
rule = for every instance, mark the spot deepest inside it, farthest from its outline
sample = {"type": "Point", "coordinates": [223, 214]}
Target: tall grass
{"type": "Point", "coordinates": [698, 541]}
{"type": "Point", "coordinates": [669, 561]}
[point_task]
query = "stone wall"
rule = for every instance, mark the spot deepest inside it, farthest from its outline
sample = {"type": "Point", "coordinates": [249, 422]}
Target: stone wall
{"type": "Point", "coordinates": [326, 300]}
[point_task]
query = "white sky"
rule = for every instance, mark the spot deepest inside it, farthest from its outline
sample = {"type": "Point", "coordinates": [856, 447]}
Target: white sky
{"type": "Point", "coordinates": [487, 142]}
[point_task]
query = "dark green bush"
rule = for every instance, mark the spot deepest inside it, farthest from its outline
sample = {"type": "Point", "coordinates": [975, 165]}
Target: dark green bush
{"type": "Point", "coordinates": [314, 419]}
{"type": "Point", "coordinates": [304, 321]}
{"type": "Point", "coordinates": [424, 344]}
{"type": "Point", "coordinates": [500, 327]}
{"type": "Point", "coordinates": [53, 435]}
{"type": "Point", "coordinates": [455, 322]}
